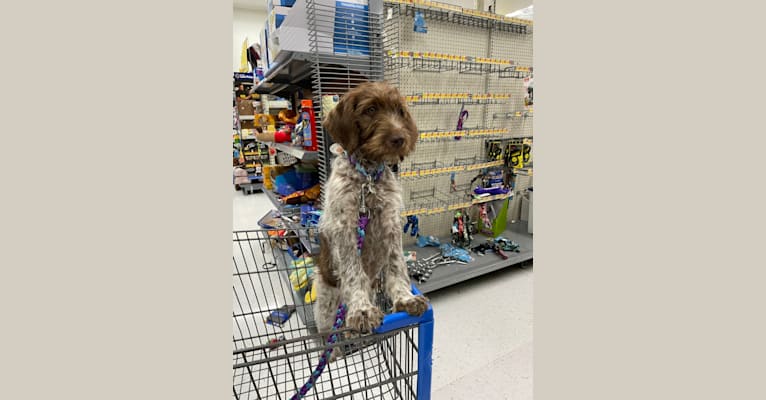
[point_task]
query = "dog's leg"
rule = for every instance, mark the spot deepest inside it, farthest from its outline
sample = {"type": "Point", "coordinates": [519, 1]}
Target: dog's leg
{"type": "Point", "coordinates": [325, 307]}
{"type": "Point", "coordinates": [355, 285]}
{"type": "Point", "coordinates": [397, 283]}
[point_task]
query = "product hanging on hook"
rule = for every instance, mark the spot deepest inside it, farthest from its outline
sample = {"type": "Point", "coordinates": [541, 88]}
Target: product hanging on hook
{"type": "Point", "coordinates": [420, 23]}
{"type": "Point", "coordinates": [460, 119]}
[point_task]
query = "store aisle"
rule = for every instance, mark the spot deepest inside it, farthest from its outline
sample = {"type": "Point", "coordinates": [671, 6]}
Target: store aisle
{"type": "Point", "coordinates": [483, 329]}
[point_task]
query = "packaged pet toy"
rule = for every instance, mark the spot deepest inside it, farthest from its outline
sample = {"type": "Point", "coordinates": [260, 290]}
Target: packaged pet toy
{"type": "Point", "coordinates": [309, 131]}
{"type": "Point", "coordinates": [420, 23]}
{"type": "Point", "coordinates": [529, 84]}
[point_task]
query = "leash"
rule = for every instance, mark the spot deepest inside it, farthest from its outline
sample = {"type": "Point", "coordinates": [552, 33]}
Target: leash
{"type": "Point", "coordinates": [340, 316]}
{"type": "Point", "coordinates": [367, 188]}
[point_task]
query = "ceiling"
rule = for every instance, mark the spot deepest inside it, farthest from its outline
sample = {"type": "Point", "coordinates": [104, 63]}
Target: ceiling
{"type": "Point", "coordinates": [256, 5]}
{"type": "Point", "coordinates": [503, 6]}
{"type": "Point", "coordinates": [508, 6]}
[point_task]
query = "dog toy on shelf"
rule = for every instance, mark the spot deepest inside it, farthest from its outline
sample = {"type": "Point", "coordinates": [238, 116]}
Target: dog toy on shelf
{"type": "Point", "coordinates": [424, 241]}
{"type": "Point", "coordinates": [508, 245]}
{"type": "Point", "coordinates": [489, 245]}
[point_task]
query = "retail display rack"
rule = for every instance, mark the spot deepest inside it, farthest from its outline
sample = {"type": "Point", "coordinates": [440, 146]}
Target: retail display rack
{"type": "Point", "coordinates": [462, 73]}
{"type": "Point", "coordinates": [247, 154]}
{"type": "Point", "coordinates": [463, 79]}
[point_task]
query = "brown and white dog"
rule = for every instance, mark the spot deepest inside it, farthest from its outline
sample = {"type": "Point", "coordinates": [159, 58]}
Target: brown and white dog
{"type": "Point", "coordinates": [374, 127]}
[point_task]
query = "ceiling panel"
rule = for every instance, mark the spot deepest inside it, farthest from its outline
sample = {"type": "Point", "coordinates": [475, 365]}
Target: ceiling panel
{"type": "Point", "coordinates": [259, 5]}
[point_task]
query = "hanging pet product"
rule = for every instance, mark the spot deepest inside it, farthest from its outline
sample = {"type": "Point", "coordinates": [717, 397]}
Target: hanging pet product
{"type": "Point", "coordinates": [461, 119]}
{"type": "Point", "coordinates": [462, 229]}
{"type": "Point", "coordinates": [420, 23]}
{"type": "Point", "coordinates": [529, 84]}
{"type": "Point", "coordinates": [494, 150]}
{"type": "Point", "coordinates": [526, 154]}
{"type": "Point", "coordinates": [412, 225]}
{"type": "Point", "coordinates": [513, 156]}
{"type": "Point", "coordinates": [486, 223]}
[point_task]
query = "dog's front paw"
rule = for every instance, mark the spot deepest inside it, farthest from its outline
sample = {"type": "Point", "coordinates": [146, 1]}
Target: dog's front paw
{"type": "Point", "coordinates": [364, 319]}
{"type": "Point", "coordinates": [414, 305]}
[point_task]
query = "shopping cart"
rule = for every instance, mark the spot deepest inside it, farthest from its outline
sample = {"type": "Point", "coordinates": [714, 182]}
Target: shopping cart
{"type": "Point", "coordinates": [276, 344]}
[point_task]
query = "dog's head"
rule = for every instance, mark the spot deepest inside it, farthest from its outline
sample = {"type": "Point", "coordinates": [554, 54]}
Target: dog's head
{"type": "Point", "coordinates": [372, 120]}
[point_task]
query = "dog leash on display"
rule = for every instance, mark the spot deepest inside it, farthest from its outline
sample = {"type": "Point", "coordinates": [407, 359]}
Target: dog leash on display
{"type": "Point", "coordinates": [340, 316]}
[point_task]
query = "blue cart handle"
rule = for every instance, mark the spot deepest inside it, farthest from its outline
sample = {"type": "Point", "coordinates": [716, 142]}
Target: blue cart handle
{"type": "Point", "coordinates": [401, 319]}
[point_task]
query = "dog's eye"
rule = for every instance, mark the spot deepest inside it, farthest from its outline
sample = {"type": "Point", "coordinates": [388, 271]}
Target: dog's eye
{"type": "Point", "coordinates": [401, 111]}
{"type": "Point", "coordinates": [371, 110]}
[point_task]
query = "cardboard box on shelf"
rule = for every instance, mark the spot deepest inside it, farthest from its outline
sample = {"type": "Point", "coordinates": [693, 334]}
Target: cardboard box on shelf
{"type": "Point", "coordinates": [277, 16]}
{"type": "Point", "coordinates": [246, 107]}
{"type": "Point", "coordinates": [247, 124]}
{"type": "Point", "coordinates": [283, 3]}
{"type": "Point", "coordinates": [348, 32]}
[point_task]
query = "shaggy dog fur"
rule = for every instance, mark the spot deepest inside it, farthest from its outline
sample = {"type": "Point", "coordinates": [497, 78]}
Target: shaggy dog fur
{"type": "Point", "coordinates": [371, 122]}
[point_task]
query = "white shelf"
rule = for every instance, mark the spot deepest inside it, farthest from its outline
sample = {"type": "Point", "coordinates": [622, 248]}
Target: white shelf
{"type": "Point", "coordinates": [247, 117]}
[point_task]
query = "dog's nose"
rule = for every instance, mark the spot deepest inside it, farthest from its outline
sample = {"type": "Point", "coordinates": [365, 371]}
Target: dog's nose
{"type": "Point", "coordinates": [397, 142]}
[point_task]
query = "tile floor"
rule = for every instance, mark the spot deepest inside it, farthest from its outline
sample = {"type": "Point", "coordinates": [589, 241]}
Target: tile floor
{"type": "Point", "coordinates": [483, 327]}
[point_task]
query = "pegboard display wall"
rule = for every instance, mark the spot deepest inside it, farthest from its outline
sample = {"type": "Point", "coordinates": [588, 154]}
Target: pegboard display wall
{"type": "Point", "coordinates": [346, 50]}
{"type": "Point", "coordinates": [463, 79]}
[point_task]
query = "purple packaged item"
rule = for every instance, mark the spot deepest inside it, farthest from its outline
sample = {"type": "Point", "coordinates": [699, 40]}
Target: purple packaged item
{"type": "Point", "coordinates": [492, 190]}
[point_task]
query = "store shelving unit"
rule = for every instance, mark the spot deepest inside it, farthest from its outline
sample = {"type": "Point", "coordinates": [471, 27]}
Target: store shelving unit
{"type": "Point", "coordinates": [322, 69]}
{"type": "Point", "coordinates": [449, 274]}
{"type": "Point", "coordinates": [467, 61]}
{"type": "Point", "coordinates": [297, 152]}
{"type": "Point", "coordinates": [251, 157]}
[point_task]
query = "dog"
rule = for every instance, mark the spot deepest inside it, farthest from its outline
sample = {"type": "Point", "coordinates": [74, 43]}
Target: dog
{"type": "Point", "coordinates": [375, 130]}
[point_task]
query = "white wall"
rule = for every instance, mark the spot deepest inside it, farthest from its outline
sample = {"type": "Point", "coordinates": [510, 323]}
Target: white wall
{"type": "Point", "coordinates": [246, 23]}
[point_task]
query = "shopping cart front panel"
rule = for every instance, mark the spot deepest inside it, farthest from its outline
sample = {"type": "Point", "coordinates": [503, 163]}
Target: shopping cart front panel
{"type": "Point", "coordinates": [272, 275]}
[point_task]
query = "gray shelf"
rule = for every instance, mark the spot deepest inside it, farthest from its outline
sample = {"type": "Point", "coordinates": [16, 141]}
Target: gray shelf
{"type": "Point", "coordinates": [292, 70]}
{"type": "Point", "coordinates": [303, 235]}
{"type": "Point", "coordinates": [289, 71]}
{"type": "Point", "coordinates": [450, 274]}
{"type": "Point", "coordinates": [296, 152]}
{"type": "Point", "coordinates": [275, 200]}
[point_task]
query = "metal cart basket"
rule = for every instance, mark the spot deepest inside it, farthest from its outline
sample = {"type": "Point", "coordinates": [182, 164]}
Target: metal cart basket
{"type": "Point", "coordinates": [276, 344]}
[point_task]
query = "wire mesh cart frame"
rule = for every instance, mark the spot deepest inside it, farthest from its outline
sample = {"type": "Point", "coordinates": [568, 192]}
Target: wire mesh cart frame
{"type": "Point", "coordinates": [275, 352]}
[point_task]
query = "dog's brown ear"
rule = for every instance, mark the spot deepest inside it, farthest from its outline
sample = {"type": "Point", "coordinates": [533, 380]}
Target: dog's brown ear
{"type": "Point", "coordinates": [340, 123]}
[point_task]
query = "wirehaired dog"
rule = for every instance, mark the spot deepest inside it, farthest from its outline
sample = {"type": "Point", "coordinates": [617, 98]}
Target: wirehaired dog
{"type": "Point", "coordinates": [360, 229]}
